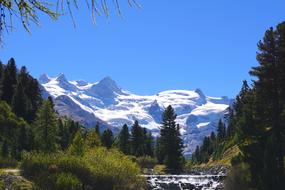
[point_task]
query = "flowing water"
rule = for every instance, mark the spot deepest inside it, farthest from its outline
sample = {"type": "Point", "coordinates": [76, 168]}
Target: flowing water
{"type": "Point", "coordinates": [185, 182]}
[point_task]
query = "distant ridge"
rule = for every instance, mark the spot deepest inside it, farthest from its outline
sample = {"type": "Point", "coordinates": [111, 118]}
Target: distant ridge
{"type": "Point", "coordinates": [107, 103]}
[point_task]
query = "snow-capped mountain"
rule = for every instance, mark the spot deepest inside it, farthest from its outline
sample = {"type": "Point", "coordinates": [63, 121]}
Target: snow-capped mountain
{"type": "Point", "coordinates": [112, 106]}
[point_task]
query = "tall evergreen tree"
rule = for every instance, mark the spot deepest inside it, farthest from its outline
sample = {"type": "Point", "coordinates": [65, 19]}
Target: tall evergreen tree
{"type": "Point", "coordinates": [92, 139]}
{"type": "Point", "coordinates": [45, 128]}
{"type": "Point", "coordinates": [137, 140]}
{"type": "Point", "coordinates": [221, 131]}
{"type": "Point", "coordinates": [97, 128]}
{"type": "Point", "coordinates": [107, 138]}
{"type": "Point", "coordinates": [1, 69]}
{"type": "Point", "coordinates": [124, 140]}
{"type": "Point", "coordinates": [63, 134]}
{"type": "Point", "coordinates": [149, 149]}
{"type": "Point", "coordinates": [170, 141]}
{"type": "Point", "coordinates": [8, 82]}
{"type": "Point", "coordinates": [20, 102]}
{"type": "Point", "coordinates": [77, 146]}
{"type": "Point", "coordinates": [269, 88]}
{"type": "Point", "coordinates": [158, 152]}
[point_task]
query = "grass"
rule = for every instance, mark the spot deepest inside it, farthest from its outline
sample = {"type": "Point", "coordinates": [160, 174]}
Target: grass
{"type": "Point", "coordinates": [159, 170]}
{"type": "Point", "coordinates": [226, 157]}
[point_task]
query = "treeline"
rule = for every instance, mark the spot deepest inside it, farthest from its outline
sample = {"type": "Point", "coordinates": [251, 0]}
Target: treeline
{"type": "Point", "coordinates": [139, 142]}
{"type": "Point", "coordinates": [256, 121]}
{"type": "Point", "coordinates": [212, 146]}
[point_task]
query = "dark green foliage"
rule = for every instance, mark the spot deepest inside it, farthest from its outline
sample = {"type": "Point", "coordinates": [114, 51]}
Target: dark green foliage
{"type": "Point", "coordinates": [107, 138]}
{"type": "Point", "coordinates": [45, 128]}
{"type": "Point", "coordinates": [124, 140]}
{"type": "Point", "coordinates": [19, 102]}
{"type": "Point", "coordinates": [1, 75]}
{"type": "Point", "coordinates": [14, 133]}
{"type": "Point", "coordinates": [20, 90]}
{"type": "Point", "coordinates": [63, 134]}
{"type": "Point", "coordinates": [221, 131]}
{"type": "Point", "coordinates": [8, 81]}
{"type": "Point", "coordinates": [149, 145]}
{"type": "Point", "coordinates": [158, 152]}
{"type": "Point", "coordinates": [170, 142]}
{"type": "Point", "coordinates": [4, 149]}
{"type": "Point", "coordinates": [137, 140]}
{"type": "Point", "coordinates": [97, 128]}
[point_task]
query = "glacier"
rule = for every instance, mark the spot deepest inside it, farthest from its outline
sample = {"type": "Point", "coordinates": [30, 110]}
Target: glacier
{"type": "Point", "coordinates": [107, 103]}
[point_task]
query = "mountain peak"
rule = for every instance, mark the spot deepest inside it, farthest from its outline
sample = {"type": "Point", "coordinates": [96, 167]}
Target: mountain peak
{"type": "Point", "coordinates": [61, 78]}
{"type": "Point", "coordinates": [200, 92]}
{"type": "Point", "coordinates": [44, 78]}
{"type": "Point", "coordinates": [109, 83]}
{"type": "Point", "coordinates": [107, 80]}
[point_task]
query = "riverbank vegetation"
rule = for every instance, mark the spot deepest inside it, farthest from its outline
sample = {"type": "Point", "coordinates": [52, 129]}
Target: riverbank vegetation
{"type": "Point", "coordinates": [255, 123]}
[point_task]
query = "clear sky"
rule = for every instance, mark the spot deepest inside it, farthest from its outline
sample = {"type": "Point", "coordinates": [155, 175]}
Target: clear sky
{"type": "Point", "coordinates": [168, 44]}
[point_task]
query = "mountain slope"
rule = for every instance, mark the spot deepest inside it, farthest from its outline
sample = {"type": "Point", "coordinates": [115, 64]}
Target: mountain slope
{"type": "Point", "coordinates": [112, 106]}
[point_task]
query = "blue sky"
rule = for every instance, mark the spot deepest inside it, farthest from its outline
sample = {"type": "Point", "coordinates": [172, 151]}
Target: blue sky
{"type": "Point", "coordinates": [167, 44]}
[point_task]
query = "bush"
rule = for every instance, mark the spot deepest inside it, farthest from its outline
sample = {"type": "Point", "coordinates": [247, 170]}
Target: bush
{"type": "Point", "coordinates": [159, 169]}
{"type": "Point", "coordinates": [8, 163]}
{"type": "Point", "coordinates": [2, 184]}
{"type": "Point", "coordinates": [114, 170]}
{"type": "Point", "coordinates": [146, 162]}
{"type": "Point", "coordinates": [98, 169]}
{"type": "Point", "coordinates": [67, 181]}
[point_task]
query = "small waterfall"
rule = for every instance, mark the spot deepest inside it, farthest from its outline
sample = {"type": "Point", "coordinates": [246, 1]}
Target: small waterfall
{"type": "Point", "coordinates": [185, 182]}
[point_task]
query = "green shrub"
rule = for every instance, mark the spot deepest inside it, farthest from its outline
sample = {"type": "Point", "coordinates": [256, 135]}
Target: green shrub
{"type": "Point", "coordinates": [146, 162]}
{"type": "Point", "coordinates": [22, 185]}
{"type": "Point", "coordinates": [113, 169]}
{"type": "Point", "coordinates": [159, 169]}
{"type": "Point", "coordinates": [98, 169]}
{"type": "Point", "coordinates": [67, 181]}
{"type": "Point", "coordinates": [2, 184]}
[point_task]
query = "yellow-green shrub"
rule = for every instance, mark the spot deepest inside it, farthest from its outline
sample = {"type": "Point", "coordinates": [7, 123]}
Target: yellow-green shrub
{"type": "Point", "coordinates": [98, 169]}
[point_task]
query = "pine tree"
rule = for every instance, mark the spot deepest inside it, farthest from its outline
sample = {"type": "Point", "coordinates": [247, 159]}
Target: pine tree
{"type": "Point", "coordinates": [45, 128]}
{"type": "Point", "coordinates": [124, 140]}
{"type": "Point", "coordinates": [137, 140]}
{"type": "Point", "coordinates": [4, 149]}
{"type": "Point", "coordinates": [221, 131]}
{"type": "Point", "coordinates": [158, 153]}
{"type": "Point", "coordinates": [97, 128]}
{"type": "Point", "coordinates": [63, 134]}
{"type": "Point", "coordinates": [51, 101]}
{"type": "Point", "coordinates": [269, 88]}
{"type": "Point", "coordinates": [171, 142]}
{"type": "Point", "coordinates": [33, 93]}
{"type": "Point", "coordinates": [149, 149]}
{"type": "Point", "coordinates": [20, 102]}
{"type": "Point", "coordinates": [77, 147]}
{"type": "Point", "coordinates": [107, 138]}
{"type": "Point", "coordinates": [1, 70]}
{"type": "Point", "coordinates": [8, 82]}
{"type": "Point", "coordinates": [92, 139]}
